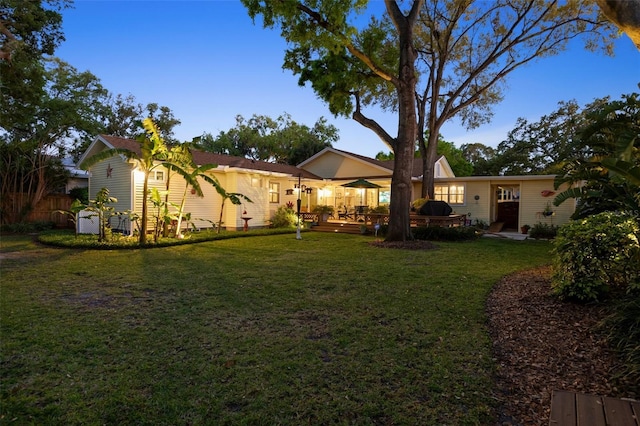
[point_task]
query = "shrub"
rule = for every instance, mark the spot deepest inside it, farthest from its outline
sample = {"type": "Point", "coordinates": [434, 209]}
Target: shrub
{"type": "Point", "coordinates": [81, 194]}
{"type": "Point", "coordinates": [439, 233]}
{"type": "Point", "coordinates": [27, 227]}
{"type": "Point", "coordinates": [379, 209]}
{"type": "Point", "coordinates": [595, 254]}
{"type": "Point", "coordinates": [543, 231]}
{"type": "Point", "coordinates": [622, 327]}
{"type": "Point", "coordinates": [284, 217]}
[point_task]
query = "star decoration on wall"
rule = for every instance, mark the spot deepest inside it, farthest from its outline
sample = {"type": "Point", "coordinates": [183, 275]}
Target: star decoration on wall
{"type": "Point", "coordinates": [109, 170]}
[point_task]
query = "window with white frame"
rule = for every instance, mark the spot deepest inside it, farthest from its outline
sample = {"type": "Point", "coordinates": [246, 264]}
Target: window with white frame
{"type": "Point", "coordinates": [450, 193]}
{"type": "Point", "coordinates": [157, 175]}
{"type": "Point", "coordinates": [274, 192]}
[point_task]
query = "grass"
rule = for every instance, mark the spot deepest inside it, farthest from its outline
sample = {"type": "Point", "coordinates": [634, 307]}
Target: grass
{"type": "Point", "coordinates": [264, 330]}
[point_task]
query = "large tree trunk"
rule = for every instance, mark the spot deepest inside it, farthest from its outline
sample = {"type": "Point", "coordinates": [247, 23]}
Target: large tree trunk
{"type": "Point", "coordinates": [428, 164]}
{"type": "Point", "coordinates": [625, 14]}
{"type": "Point", "coordinates": [401, 187]}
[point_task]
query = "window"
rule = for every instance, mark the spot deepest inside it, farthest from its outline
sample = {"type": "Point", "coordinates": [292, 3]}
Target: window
{"type": "Point", "coordinates": [274, 192]}
{"type": "Point", "coordinates": [157, 175]}
{"type": "Point", "coordinates": [451, 194]}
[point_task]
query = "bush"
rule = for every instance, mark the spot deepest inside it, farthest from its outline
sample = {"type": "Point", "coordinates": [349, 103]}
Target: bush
{"type": "Point", "coordinates": [593, 255]}
{"type": "Point", "coordinates": [27, 228]}
{"type": "Point", "coordinates": [543, 231]}
{"type": "Point", "coordinates": [438, 233]}
{"type": "Point", "coordinates": [379, 209]}
{"type": "Point", "coordinates": [622, 327]}
{"type": "Point", "coordinates": [284, 217]}
{"type": "Point", "coordinates": [81, 194]}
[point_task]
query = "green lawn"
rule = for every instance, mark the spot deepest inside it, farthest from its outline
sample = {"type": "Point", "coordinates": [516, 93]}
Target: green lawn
{"type": "Point", "coordinates": [265, 330]}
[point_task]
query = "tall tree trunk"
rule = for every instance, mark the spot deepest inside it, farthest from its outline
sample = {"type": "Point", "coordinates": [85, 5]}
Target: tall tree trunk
{"type": "Point", "coordinates": [428, 163]}
{"type": "Point", "coordinates": [401, 187]}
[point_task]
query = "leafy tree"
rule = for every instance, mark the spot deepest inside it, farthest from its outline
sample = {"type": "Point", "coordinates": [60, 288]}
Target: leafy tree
{"type": "Point", "coordinates": [30, 31]}
{"type": "Point", "coordinates": [42, 129]}
{"type": "Point", "coordinates": [459, 164]}
{"type": "Point", "coordinates": [337, 59]}
{"type": "Point", "coordinates": [543, 147]}
{"type": "Point", "coordinates": [281, 140]}
{"type": "Point", "coordinates": [122, 116]}
{"type": "Point", "coordinates": [611, 165]}
{"type": "Point", "coordinates": [468, 48]}
{"type": "Point", "coordinates": [481, 158]}
{"type": "Point", "coordinates": [460, 51]}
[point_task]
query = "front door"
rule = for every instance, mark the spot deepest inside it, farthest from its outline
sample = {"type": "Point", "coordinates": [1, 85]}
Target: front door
{"type": "Point", "coordinates": [508, 214]}
{"type": "Point", "coordinates": [508, 211]}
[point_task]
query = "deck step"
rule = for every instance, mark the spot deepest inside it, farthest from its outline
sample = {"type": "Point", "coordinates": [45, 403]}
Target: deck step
{"type": "Point", "coordinates": [337, 227]}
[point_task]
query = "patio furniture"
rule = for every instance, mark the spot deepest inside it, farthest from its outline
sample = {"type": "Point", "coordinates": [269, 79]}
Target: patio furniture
{"type": "Point", "coordinates": [344, 214]}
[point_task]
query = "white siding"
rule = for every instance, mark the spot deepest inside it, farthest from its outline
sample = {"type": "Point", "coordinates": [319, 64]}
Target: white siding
{"type": "Point", "coordinates": [118, 181]}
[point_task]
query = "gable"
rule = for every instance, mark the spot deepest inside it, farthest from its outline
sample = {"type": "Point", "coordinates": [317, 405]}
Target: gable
{"type": "Point", "coordinates": [334, 164]}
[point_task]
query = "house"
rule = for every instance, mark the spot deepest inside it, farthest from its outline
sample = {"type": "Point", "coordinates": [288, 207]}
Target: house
{"type": "Point", "coordinates": [319, 180]}
{"type": "Point", "coordinates": [260, 181]}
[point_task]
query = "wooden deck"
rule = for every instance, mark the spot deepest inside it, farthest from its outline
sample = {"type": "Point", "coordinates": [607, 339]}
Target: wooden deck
{"type": "Point", "coordinates": [579, 409]}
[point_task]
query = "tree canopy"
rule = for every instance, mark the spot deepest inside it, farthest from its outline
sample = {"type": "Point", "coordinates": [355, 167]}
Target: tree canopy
{"type": "Point", "coordinates": [281, 140]}
{"type": "Point", "coordinates": [428, 63]}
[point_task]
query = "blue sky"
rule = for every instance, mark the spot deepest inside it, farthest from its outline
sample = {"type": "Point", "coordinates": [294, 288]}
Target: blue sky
{"type": "Point", "coordinates": [208, 62]}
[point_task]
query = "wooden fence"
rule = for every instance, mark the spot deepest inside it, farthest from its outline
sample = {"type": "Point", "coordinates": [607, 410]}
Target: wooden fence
{"type": "Point", "coordinates": [45, 210]}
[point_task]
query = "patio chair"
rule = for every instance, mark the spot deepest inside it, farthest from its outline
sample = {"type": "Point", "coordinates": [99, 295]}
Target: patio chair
{"type": "Point", "coordinates": [344, 214]}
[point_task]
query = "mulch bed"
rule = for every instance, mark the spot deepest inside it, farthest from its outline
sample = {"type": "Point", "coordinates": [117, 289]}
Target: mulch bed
{"type": "Point", "coordinates": [542, 344]}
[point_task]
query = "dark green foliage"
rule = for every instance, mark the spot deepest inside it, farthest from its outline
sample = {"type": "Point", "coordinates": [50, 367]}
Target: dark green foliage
{"type": "Point", "coordinates": [606, 177]}
{"type": "Point", "coordinates": [595, 255]}
{"type": "Point", "coordinates": [80, 194]}
{"type": "Point", "coordinates": [280, 140]}
{"type": "Point", "coordinates": [439, 233]}
{"type": "Point", "coordinates": [623, 331]}
{"type": "Point", "coordinates": [65, 238]}
{"type": "Point", "coordinates": [543, 231]}
{"type": "Point", "coordinates": [26, 228]}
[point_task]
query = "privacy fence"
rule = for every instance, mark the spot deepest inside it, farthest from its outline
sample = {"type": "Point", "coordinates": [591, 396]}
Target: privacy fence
{"type": "Point", "coordinates": [45, 210]}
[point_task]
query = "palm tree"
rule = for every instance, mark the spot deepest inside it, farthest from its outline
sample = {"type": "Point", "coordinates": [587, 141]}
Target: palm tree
{"type": "Point", "coordinates": [197, 172]}
{"type": "Point", "coordinates": [154, 154]}
{"type": "Point", "coordinates": [612, 173]}
{"type": "Point", "coordinates": [234, 197]}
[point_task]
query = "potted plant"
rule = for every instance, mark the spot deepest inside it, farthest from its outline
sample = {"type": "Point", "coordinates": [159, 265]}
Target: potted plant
{"type": "Point", "coordinates": [547, 210]}
{"type": "Point", "coordinates": [323, 211]}
{"type": "Point", "coordinates": [525, 229]}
